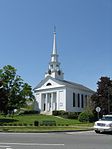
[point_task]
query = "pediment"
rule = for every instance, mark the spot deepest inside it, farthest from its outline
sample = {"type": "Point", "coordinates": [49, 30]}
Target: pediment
{"type": "Point", "coordinates": [49, 82]}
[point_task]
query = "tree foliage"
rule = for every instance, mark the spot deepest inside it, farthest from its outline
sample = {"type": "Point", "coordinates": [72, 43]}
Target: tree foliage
{"type": "Point", "coordinates": [103, 96]}
{"type": "Point", "coordinates": [86, 116]}
{"type": "Point", "coordinates": [14, 93]}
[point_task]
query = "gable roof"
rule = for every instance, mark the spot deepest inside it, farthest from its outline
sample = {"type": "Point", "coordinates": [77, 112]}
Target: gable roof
{"type": "Point", "coordinates": [77, 85]}
{"type": "Point", "coordinates": [63, 82]}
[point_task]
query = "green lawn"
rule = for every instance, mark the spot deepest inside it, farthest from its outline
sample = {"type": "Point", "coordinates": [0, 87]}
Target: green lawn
{"type": "Point", "coordinates": [29, 119]}
{"type": "Point", "coordinates": [25, 123]}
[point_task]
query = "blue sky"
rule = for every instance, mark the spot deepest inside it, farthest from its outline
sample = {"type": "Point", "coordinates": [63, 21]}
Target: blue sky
{"type": "Point", "coordinates": [84, 38]}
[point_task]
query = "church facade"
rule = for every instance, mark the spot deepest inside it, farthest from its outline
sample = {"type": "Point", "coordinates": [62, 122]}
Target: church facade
{"type": "Point", "coordinates": [55, 93]}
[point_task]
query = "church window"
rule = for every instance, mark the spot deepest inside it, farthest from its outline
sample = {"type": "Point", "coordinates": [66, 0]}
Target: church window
{"type": "Point", "coordinates": [82, 101]}
{"type": "Point", "coordinates": [85, 100]}
{"type": "Point", "coordinates": [74, 104]}
{"type": "Point", "coordinates": [44, 106]}
{"type": "Point", "coordinates": [51, 66]}
{"type": "Point", "coordinates": [78, 100]}
{"type": "Point", "coordinates": [49, 71]}
{"type": "Point", "coordinates": [59, 72]}
{"type": "Point", "coordinates": [48, 84]}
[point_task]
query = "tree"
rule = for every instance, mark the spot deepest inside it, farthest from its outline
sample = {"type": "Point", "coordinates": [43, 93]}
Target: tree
{"type": "Point", "coordinates": [3, 102]}
{"type": "Point", "coordinates": [103, 95]}
{"type": "Point", "coordinates": [15, 92]}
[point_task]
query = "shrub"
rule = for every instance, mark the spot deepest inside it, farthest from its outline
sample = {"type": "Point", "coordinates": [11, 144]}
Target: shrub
{"type": "Point", "coordinates": [24, 124]}
{"type": "Point", "coordinates": [1, 124]}
{"type": "Point", "coordinates": [86, 116]}
{"type": "Point", "coordinates": [64, 114]}
{"type": "Point", "coordinates": [48, 123]}
{"type": "Point", "coordinates": [36, 123]}
{"type": "Point", "coordinates": [20, 124]}
{"type": "Point", "coordinates": [55, 113]}
{"type": "Point", "coordinates": [29, 112]}
{"type": "Point", "coordinates": [59, 113]}
{"type": "Point", "coordinates": [72, 115]}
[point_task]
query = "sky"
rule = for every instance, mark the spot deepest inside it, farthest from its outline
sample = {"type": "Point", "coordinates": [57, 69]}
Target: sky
{"type": "Point", "coordinates": [83, 35]}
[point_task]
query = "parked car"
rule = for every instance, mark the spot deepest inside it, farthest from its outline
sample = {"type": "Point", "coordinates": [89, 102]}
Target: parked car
{"type": "Point", "coordinates": [104, 124]}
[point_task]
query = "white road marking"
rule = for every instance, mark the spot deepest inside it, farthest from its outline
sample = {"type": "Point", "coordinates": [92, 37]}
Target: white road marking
{"type": "Point", "coordinates": [7, 147]}
{"type": "Point", "coordinates": [80, 132]}
{"type": "Point", "coordinates": [32, 144]}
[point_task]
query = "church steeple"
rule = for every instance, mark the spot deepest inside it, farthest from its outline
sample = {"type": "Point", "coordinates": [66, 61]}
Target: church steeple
{"type": "Point", "coordinates": [54, 66]}
{"type": "Point", "coordinates": [54, 55]}
{"type": "Point", "coordinates": [54, 43]}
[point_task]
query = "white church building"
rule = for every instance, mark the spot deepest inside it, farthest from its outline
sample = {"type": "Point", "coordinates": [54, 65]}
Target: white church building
{"type": "Point", "coordinates": [55, 93]}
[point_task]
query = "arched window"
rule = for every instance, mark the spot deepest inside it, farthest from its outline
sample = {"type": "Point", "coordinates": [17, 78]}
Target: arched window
{"type": "Point", "coordinates": [48, 84]}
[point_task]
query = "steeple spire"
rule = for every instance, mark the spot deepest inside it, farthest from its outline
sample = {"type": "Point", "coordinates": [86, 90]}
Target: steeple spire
{"type": "Point", "coordinates": [54, 66]}
{"type": "Point", "coordinates": [54, 42]}
{"type": "Point", "coordinates": [54, 56]}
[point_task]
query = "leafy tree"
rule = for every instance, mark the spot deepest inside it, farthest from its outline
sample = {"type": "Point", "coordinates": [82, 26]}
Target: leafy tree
{"type": "Point", "coordinates": [3, 102]}
{"type": "Point", "coordinates": [103, 95]}
{"type": "Point", "coordinates": [15, 93]}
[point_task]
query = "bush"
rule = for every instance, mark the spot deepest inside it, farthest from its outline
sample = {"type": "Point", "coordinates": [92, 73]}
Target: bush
{"type": "Point", "coordinates": [48, 123]}
{"type": "Point", "coordinates": [20, 124]}
{"type": "Point", "coordinates": [24, 124]}
{"type": "Point", "coordinates": [64, 114]}
{"type": "Point", "coordinates": [36, 123]}
{"type": "Point", "coordinates": [86, 116]}
{"type": "Point", "coordinates": [72, 115]}
{"type": "Point", "coordinates": [55, 113]}
{"type": "Point", "coordinates": [29, 112]}
{"type": "Point", "coordinates": [59, 113]}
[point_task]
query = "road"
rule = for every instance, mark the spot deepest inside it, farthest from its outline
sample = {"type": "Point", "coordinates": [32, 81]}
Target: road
{"type": "Point", "coordinates": [67, 140]}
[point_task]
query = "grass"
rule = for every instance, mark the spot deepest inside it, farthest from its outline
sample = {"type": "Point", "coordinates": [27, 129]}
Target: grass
{"type": "Point", "coordinates": [41, 129]}
{"type": "Point", "coordinates": [27, 122]}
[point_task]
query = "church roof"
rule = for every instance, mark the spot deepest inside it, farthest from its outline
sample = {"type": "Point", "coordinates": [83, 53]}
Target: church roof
{"type": "Point", "coordinates": [63, 82]}
{"type": "Point", "coordinates": [76, 85]}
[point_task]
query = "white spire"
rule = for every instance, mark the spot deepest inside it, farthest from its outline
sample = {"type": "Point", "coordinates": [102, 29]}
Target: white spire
{"type": "Point", "coordinates": [54, 56]}
{"type": "Point", "coordinates": [54, 42]}
{"type": "Point", "coordinates": [54, 66]}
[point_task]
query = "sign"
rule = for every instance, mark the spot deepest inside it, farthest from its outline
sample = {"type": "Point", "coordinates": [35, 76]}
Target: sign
{"type": "Point", "coordinates": [61, 104]}
{"type": "Point", "coordinates": [98, 109]}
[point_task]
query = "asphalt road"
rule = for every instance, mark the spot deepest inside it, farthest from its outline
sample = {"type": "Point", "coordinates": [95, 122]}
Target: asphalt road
{"type": "Point", "coordinates": [67, 140]}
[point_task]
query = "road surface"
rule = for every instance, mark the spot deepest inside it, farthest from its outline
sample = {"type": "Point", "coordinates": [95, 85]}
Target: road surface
{"type": "Point", "coordinates": [67, 140]}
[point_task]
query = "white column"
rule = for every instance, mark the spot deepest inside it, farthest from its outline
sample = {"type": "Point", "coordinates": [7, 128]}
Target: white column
{"type": "Point", "coordinates": [55, 101]}
{"type": "Point", "coordinates": [51, 102]}
{"type": "Point", "coordinates": [48, 101]}
{"type": "Point", "coordinates": [46, 107]}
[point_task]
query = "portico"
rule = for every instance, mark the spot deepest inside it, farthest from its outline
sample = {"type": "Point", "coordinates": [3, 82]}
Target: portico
{"type": "Point", "coordinates": [48, 102]}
